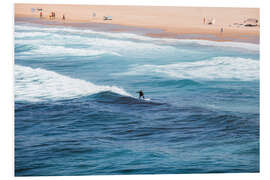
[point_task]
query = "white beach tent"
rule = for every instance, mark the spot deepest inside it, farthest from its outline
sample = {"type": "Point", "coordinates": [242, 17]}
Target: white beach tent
{"type": "Point", "coordinates": [251, 22]}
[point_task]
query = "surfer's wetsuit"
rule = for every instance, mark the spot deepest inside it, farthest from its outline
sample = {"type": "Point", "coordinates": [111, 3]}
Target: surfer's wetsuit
{"type": "Point", "coordinates": [140, 94]}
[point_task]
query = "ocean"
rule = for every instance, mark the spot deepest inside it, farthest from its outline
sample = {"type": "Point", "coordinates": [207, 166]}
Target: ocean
{"type": "Point", "coordinates": [77, 111]}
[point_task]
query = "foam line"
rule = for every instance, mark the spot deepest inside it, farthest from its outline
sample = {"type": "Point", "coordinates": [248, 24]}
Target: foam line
{"type": "Point", "coordinates": [218, 68]}
{"type": "Point", "coordinates": [130, 36]}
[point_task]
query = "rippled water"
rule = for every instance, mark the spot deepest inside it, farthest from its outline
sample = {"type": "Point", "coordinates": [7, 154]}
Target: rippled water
{"type": "Point", "coordinates": [77, 111]}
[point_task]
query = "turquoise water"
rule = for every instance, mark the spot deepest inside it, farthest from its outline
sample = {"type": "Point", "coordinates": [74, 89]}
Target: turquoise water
{"type": "Point", "coordinates": [77, 111]}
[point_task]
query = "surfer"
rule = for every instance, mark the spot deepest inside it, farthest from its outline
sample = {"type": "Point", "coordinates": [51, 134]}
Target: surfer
{"type": "Point", "coordinates": [140, 94]}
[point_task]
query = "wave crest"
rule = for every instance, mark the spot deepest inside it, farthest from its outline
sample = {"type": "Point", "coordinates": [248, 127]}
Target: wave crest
{"type": "Point", "coordinates": [218, 68]}
{"type": "Point", "coordinates": [39, 85]}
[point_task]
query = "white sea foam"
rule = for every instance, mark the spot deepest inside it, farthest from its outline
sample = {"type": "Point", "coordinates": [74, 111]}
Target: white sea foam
{"type": "Point", "coordinates": [29, 34]}
{"type": "Point", "coordinates": [121, 35]}
{"type": "Point", "coordinates": [240, 45]}
{"type": "Point", "coordinates": [130, 36]}
{"type": "Point", "coordinates": [56, 46]}
{"type": "Point", "coordinates": [39, 85]}
{"type": "Point", "coordinates": [63, 51]}
{"type": "Point", "coordinates": [55, 43]}
{"type": "Point", "coordinates": [218, 68]}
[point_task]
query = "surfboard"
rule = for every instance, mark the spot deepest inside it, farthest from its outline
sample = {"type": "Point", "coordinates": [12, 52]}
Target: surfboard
{"type": "Point", "coordinates": [145, 99]}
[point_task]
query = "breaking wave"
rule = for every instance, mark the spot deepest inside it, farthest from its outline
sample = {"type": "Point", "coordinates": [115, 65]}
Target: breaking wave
{"type": "Point", "coordinates": [39, 84]}
{"type": "Point", "coordinates": [218, 68]}
{"type": "Point", "coordinates": [63, 51]}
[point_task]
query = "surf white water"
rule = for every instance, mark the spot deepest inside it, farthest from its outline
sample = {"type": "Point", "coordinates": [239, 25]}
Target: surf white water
{"type": "Point", "coordinates": [56, 44]}
{"type": "Point", "coordinates": [40, 85]}
{"type": "Point", "coordinates": [30, 34]}
{"type": "Point", "coordinates": [50, 50]}
{"type": "Point", "coordinates": [131, 36]}
{"type": "Point", "coordinates": [82, 31]}
{"type": "Point", "coordinates": [238, 45]}
{"type": "Point", "coordinates": [218, 68]}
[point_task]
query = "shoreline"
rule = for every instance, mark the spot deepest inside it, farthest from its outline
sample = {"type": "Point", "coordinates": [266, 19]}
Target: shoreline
{"type": "Point", "coordinates": [149, 32]}
{"type": "Point", "coordinates": [154, 21]}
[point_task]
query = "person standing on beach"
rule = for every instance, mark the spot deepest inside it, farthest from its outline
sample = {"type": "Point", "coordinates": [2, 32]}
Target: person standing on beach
{"type": "Point", "coordinates": [204, 20]}
{"type": "Point", "coordinates": [94, 15]}
{"type": "Point", "coordinates": [221, 29]}
{"type": "Point", "coordinates": [63, 17]}
{"type": "Point", "coordinates": [40, 14]}
{"type": "Point", "coordinates": [51, 16]}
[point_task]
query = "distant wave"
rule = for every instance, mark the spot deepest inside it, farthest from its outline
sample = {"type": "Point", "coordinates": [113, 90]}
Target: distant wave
{"type": "Point", "coordinates": [43, 47]}
{"type": "Point", "coordinates": [179, 83]}
{"type": "Point", "coordinates": [30, 34]}
{"type": "Point", "coordinates": [218, 68]}
{"type": "Point", "coordinates": [81, 31]}
{"type": "Point", "coordinates": [55, 44]}
{"type": "Point", "coordinates": [131, 36]}
{"type": "Point", "coordinates": [240, 45]}
{"type": "Point", "coordinates": [63, 51]}
{"type": "Point", "coordinates": [21, 48]}
{"type": "Point", "coordinates": [39, 85]}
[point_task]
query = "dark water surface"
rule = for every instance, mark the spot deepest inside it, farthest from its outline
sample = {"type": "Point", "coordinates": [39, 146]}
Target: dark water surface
{"type": "Point", "coordinates": [77, 111]}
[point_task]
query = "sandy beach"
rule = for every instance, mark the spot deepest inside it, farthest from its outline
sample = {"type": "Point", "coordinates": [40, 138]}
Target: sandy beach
{"type": "Point", "coordinates": [226, 22]}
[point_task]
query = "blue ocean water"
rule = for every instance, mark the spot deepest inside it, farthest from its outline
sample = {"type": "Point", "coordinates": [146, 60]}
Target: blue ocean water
{"type": "Point", "coordinates": [77, 111]}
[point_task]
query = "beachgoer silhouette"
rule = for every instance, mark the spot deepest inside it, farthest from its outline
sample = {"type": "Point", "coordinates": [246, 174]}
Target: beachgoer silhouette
{"type": "Point", "coordinates": [40, 14]}
{"type": "Point", "coordinates": [221, 30]}
{"type": "Point", "coordinates": [63, 18]}
{"type": "Point", "coordinates": [140, 94]}
{"type": "Point", "coordinates": [51, 16]}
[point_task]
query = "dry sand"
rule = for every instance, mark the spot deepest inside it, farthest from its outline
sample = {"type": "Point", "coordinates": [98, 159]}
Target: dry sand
{"type": "Point", "coordinates": [174, 20]}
